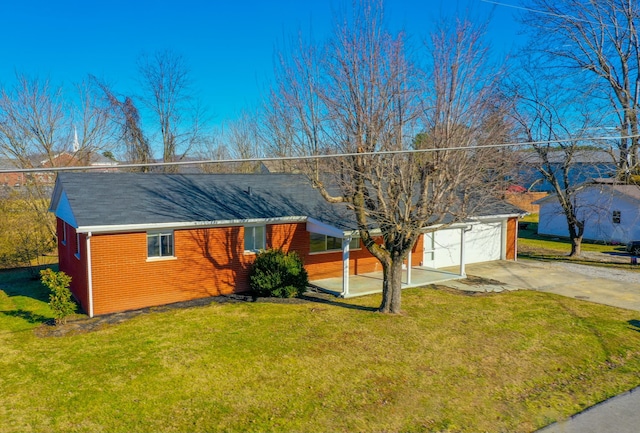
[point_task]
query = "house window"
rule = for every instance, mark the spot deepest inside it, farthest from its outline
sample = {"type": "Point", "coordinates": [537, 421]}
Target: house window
{"type": "Point", "coordinates": [254, 238]}
{"type": "Point", "coordinates": [159, 244]}
{"type": "Point", "coordinates": [616, 217]}
{"type": "Point", "coordinates": [77, 254]}
{"type": "Point", "coordinates": [322, 243]}
{"type": "Point", "coordinates": [64, 233]}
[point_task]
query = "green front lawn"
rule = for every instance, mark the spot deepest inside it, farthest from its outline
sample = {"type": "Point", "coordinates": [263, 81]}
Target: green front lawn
{"type": "Point", "coordinates": [453, 362]}
{"type": "Point", "coordinates": [532, 245]}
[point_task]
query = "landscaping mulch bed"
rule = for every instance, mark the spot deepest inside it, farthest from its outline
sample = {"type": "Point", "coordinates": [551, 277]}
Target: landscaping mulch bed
{"type": "Point", "coordinates": [80, 324]}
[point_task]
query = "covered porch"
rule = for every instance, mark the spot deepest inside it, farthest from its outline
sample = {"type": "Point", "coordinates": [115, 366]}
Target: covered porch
{"type": "Point", "coordinates": [369, 283]}
{"type": "Point", "coordinates": [348, 286]}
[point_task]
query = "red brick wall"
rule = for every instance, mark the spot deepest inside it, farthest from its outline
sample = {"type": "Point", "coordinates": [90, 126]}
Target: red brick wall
{"type": "Point", "coordinates": [207, 262]}
{"type": "Point", "coordinates": [73, 266]}
{"type": "Point", "coordinates": [512, 238]}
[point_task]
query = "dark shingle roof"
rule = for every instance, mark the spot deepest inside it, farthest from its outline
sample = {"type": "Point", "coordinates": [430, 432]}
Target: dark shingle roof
{"type": "Point", "coordinates": [136, 198]}
{"type": "Point", "coordinates": [104, 199]}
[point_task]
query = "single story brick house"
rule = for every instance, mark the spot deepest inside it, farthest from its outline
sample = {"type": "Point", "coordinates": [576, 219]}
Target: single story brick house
{"type": "Point", "coordinates": [134, 240]}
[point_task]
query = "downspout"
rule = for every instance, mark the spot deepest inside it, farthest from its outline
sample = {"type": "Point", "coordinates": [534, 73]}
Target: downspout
{"type": "Point", "coordinates": [89, 275]}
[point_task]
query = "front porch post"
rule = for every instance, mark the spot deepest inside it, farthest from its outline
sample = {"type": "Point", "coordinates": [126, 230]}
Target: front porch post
{"type": "Point", "coordinates": [345, 266]}
{"type": "Point", "coordinates": [409, 269]}
{"type": "Point", "coordinates": [462, 270]}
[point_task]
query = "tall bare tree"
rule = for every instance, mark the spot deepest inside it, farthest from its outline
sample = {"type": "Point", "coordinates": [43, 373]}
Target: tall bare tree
{"type": "Point", "coordinates": [556, 118]}
{"type": "Point", "coordinates": [167, 92]}
{"type": "Point", "coordinates": [599, 40]}
{"type": "Point", "coordinates": [126, 116]}
{"type": "Point", "coordinates": [361, 93]}
{"type": "Point", "coordinates": [38, 128]}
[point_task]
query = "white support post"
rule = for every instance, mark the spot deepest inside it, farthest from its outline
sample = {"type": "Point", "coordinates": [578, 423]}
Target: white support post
{"type": "Point", "coordinates": [345, 266]}
{"type": "Point", "coordinates": [409, 269]}
{"type": "Point", "coordinates": [462, 270]}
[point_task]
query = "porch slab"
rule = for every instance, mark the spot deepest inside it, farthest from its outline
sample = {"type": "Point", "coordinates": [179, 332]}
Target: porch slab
{"type": "Point", "coordinates": [370, 283]}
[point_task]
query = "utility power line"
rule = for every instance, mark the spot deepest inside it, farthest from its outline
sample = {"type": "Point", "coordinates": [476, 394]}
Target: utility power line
{"type": "Point", "coordinates": [562, 16]}
{"type": "Point", "coordinates": [297, 158]}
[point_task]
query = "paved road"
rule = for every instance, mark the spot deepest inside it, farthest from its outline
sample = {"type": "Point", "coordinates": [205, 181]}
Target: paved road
{"type": "Point", "coordinates": [618, 288]}
{"type": "Point", "coordinates": [616, 415]}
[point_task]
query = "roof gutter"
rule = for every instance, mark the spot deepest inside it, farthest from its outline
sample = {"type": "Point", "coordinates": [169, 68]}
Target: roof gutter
{"type": "Point", "coordinates": [122, 228]}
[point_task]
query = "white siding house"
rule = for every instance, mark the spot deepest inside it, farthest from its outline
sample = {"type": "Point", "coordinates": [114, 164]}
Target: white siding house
{"type": "Point", "coordinates": [611, 212]}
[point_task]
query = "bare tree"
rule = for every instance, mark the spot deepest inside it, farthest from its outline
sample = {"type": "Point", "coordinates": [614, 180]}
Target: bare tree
{"type": "Point", "coordinates": [126, 115]}
{"type": "Point", "coordinates": [556, 117]}
{"type": "Point", "coordinates": [38, 128]}
{"type": "Point", "coordinates": [598, 40]}
{"type": "Point", "coordinates": [168, 94]}
{"type": "Point", "coordinates": [361, 94]}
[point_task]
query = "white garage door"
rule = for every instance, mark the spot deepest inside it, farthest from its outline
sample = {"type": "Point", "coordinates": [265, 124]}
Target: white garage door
{"type": "Point", "coordinates": [483, 243]}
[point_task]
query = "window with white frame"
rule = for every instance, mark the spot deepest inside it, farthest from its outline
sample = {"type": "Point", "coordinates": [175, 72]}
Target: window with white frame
{"type": "Point", "coordinates": [616, 216]}
{"type": "Point", "coordinates": [322, 243]}
{"type": "Point", "coordinates": [159, 244]}
{"type": "Point", "coordinates": [64, 233]}
{"type": "Point", "coordinates": [254, 238]}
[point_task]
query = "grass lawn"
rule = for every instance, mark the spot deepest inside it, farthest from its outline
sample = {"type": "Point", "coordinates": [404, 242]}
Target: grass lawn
{"type": "Point", "coordinates": [532, 245]}
{"type": "Point", "coordinates": [453, 362]}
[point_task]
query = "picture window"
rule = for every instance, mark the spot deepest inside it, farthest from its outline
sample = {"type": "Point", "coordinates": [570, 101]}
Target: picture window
{"type": "Point", "coordinates": [322, 243]}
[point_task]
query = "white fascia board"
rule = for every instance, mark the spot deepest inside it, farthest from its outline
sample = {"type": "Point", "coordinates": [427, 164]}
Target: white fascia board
{"type": "Point", "coordinates": [316, 226]}
{"type": "Point", "coordinates": [188, 225]}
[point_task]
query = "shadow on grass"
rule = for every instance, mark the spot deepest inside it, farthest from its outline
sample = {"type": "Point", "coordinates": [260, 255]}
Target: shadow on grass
{"type": "Point", "coordinates": [28, 316]}
{"type": "Point", "coordinates": [635, 324]}
{"type": "Point", "coordinates": [24, 282]}
{"type": "Point", "coordinates": [320, 300]}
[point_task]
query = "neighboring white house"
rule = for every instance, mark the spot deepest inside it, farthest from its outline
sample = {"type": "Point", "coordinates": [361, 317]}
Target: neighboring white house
{"type": "Point", "coordinates": [611, 212]}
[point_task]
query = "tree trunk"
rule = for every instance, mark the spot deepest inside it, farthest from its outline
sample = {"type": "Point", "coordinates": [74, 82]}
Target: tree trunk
{"type": "Point", "coordinates": [576, 246]}
{"type": "Point", "coordinates": [391, 286]}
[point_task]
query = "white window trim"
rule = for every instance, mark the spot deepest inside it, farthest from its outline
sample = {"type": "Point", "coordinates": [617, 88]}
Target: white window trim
{"type": "Point", "coordinates": [264, 238]}
{"type": "Point", "coordinates": [173, 245]}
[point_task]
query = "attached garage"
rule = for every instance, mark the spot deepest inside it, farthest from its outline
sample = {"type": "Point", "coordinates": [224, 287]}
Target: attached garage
{"type": "Point", "coordinates": [484, 241]}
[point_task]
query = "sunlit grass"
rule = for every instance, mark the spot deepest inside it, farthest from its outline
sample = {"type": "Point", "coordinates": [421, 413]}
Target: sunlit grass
{"type": "Point", "coordinates": [532, 245]}
{"type": "Point", "coordinates": [507, 362]}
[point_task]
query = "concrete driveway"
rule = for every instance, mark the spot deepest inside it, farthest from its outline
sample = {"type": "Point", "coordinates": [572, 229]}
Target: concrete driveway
{"type": "Point", "coordinates": [618, 288]}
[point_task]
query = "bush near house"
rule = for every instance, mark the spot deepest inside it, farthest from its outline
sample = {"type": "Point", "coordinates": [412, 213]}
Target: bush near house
{"type": "Point", "coordinates": [60, 299]}
{"type": "Point", "coordinates": [278, 274]}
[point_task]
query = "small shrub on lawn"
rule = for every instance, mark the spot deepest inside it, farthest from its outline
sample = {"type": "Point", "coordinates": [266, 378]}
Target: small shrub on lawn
{"type": "Point", "coordinates": [278, 274]}
{"type": "Point", "coordinates": [60, 299]}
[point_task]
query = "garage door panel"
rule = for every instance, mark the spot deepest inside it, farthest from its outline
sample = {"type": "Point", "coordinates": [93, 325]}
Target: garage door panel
{"type": "Point", "coordinates": [482, 243]}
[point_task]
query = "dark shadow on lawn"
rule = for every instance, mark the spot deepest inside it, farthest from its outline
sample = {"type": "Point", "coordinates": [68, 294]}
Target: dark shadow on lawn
{"type": "Point", "coordinates": [326, 301]}
{"type": "Point", "coordinates": [635, 324]}
{"type": "Point", "coordinates": [29, 316]}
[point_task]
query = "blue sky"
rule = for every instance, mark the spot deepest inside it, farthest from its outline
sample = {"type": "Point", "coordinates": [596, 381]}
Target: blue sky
{"type": "Point", "coordinates": [228, 45]}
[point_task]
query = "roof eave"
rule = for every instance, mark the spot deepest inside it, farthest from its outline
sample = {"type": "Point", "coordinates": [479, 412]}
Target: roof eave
{"type": "Point", "coordinates": [178, 225]}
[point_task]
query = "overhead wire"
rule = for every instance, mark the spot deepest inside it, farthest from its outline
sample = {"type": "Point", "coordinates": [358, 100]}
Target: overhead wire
{"type": "Point", "coordinates": [300, 157]}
